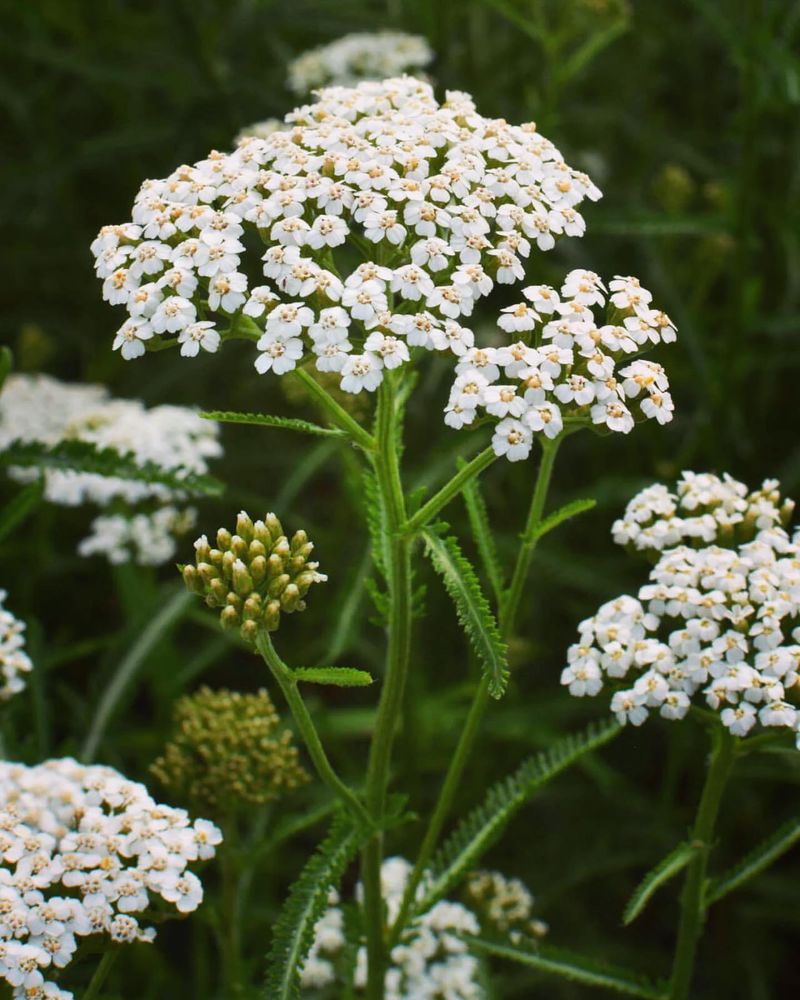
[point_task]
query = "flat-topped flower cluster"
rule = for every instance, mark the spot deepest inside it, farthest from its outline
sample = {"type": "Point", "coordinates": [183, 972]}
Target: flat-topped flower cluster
{"type": "Point", "coordinates": [362, 55]}
{"type": "Point", "coordinates": [14, 661]}
{"type": "Point", "coordinates": [85, 852]}
{"type": "Point", "coordinates": [718, 620]}
{"type": "Point", "coordinates": [564, 364]}
{"type": "Point", "coordinates": [432, 959]}
{"type": "Point", "coordinates": [371, 225]}
{"type": "Point", "coordinates": [41, 409]}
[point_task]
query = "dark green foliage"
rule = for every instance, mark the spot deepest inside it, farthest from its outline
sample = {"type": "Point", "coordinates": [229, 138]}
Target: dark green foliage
{"type": "Point", "coordinates": [667, 868]}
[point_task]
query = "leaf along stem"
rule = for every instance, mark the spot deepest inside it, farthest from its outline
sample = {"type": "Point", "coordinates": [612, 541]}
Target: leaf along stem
{"type": "Point", "coordinates": [337, 413]}
{"type": "Point", "coordinates": [439, 500]}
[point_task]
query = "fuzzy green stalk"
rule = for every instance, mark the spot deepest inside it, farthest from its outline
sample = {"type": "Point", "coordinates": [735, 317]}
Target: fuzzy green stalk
{"type": "Point", "coordinates": [100, 974]}
{"type": "Point", "coordinates": [507, 614]}
{"type": "Point", "coordinates": [397, 557]}
{"type": "Point", "coordinates": [288, 685]}
{"type": "Point", "coordinates": [693, 908]}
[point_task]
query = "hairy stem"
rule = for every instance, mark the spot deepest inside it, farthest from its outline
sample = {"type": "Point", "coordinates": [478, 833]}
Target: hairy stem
{"type": "Point", "coordinates": [439, 500]}
{"type": "Point", "coordinates": [288, 685]}
{"type": "Point", "coordinates": [693, 897]}
{"type": "Point", "coordinates": [507, 614]}
{"type": "Point", "coordinates": [337, 413]}
{"type": "Point", "coordinates": [397, 556]}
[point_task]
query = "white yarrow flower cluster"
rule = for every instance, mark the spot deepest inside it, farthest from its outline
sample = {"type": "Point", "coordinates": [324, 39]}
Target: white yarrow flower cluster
{"type": "Point", "coordinates": [85, 852]}
{"type": "Point", "coordinates": [438, 202]}
{"type": "Point", "coordinates": [704, 508]}
{"type": "Point", "coordinates": [431, 960]}
{"type": "Point", "coordinates": [566, 366]}
{"type": "Point", "coordinates": [41, 409]}
{"type": "Point", "coordinates": [718, 624]}
{"type": "Point", "coordinates": [14, 661]}
{"type": "Point", "coordinates": [367, 55]}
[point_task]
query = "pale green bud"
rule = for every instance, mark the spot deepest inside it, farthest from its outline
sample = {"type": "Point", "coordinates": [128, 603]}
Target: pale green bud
{"type": "Point", "coordinates": [242, 581]}
{"type": "Point", "coordinates": [244, 526]}
{"type": "Point", "coordinates": [239, 547]}
{"type": "Point", "coordinates": [223, 539]}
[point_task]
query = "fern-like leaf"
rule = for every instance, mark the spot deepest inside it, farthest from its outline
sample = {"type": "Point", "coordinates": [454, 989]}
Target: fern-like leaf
{"type": "Point", "coordinates": [577, 968]}
{"type": "Point", "coordinates": [268, 420]}
{"type": "Point", "coordinates": [761, 857]}
{"type": "Point", "coordinates": [374, 514]}
{"type": "Point", "coordinates": [337, 676]}
{"type": "Point", "coordinates": [666, 869]}
{"type": "Point", "coordinates": [82, 456]}
{"type": "Point", "coordinates": [472, 608]}
{"type": "Point", "coordinates": [482, 533]}
{"type": "Point", "coordinates": [293, 932]}
{"type": "Point", "coordinates": [564, 513]}
{"type": "Point", "coordinates": [18, 508]}
{"type": "Point", "coordinates": [481, 828]}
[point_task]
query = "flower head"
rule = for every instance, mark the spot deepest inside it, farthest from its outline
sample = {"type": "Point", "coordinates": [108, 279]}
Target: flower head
{"type": "Point", "coordinates": [254, 575]}
{"type": "Point", "coordinates": [14, 661]}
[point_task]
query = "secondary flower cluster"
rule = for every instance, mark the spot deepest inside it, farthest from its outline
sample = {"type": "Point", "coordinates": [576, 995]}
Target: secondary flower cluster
{"type": "Point", "coordinates": [40, 409]}
{"type": "Point", "coordinates": [721, 621]}
{"type": "Point", "coordinates": [228, 751]}
{"type": "Point", "coordinates": [704, 508]}
{"type": "Point", "coordinates": [84, 852]}
{"type": "Point", "coordinates": [438, 203]}
{"type": "Point", "coordinates": [430, 961]}
{"type": "Point", "coordinates": [254, 575]}
{"type": "Point", "coordinates": [14, 661]}
{"type": "Point", "coordinates": [367, 55]}
{"type": "Point", "coordinates": [567, 365]}
{"type": "Point", "coordinates": [505, 904]}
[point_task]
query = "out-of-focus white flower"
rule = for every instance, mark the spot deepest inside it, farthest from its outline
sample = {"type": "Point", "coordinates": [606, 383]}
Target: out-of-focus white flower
{"type": "Point", "coordinates": [14, 661]}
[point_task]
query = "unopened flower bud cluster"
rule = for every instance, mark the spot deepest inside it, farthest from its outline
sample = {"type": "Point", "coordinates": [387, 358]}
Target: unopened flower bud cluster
{"type": "Point", "coordinates": [253, 575]}
{"type": "Point", "coordinates": [85, 853]}
{"type": "Point", "coordinates": [439, 203]}
{"type": "Point", "coordinates": [703, 508]}
{"type": "Point", "coordinates": [505, 904]}
{"type": "Point", "coordinates": [565, 364]}
{"type": "Point", "coordinates": [717, 625]}
{"type": "Point", "coordinates": [14, 661]}
{"type": "Point", "coordinates": [41, 409]}
{"type": "Point", "coordinates": [432, 959]}
{"type": "Point", "coordinates": [367, 55]}
{"type": "Point", "coordinates": [228, 751]}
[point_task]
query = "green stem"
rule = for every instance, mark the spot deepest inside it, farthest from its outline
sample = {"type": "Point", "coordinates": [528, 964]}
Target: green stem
{"type": "Point", "coordinates": [428, 511]}
{"type": "Point", "coordinates": [693, 907]}
{"type": "Point", "coordinates": [337, 413]}
{"type": "Point", "coordinates": [100, 973]}
{"type": "Point", "coordinates": [288, 685]}
{"type": "Point", "coordinates": [231, 935]}
{"type": "Point", "coordinates": [171, 612]}
{"type": "Point", "coordinates": [507, 615]}
{"type": "Point", "coordinates": [397, 555]}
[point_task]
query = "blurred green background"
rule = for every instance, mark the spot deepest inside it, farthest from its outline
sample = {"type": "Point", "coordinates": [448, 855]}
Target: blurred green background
{"type": "Point", "coordinates": [686, 115]}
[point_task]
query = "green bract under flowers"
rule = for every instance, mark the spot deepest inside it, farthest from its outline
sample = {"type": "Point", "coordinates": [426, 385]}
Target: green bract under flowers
{"type": "Point", "coordinates": [253, 575]}
{"type": "Point", "coordinates": [228, 751]}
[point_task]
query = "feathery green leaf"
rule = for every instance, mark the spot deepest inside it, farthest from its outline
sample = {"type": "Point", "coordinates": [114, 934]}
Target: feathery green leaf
{"type": "Point", "coordinates": [563, 514]}
{"type": "Point", "coordinates": [268, 420]}
{"type": "Point", "coordinates": [577, 968]}
{"type": "Point", "coordinates": [338, 676]}
{"type": "Point", "coordinates": [18, 508]}
{"type": "Point", "coordinates": [476, 833]}
{"type": "Point", "coordinates": [82, 456]}
{"type": "Point", "coordinates": [472, 608]}
{"type": "Point", "coordinates": [668, 867]}
{"type": "Point", "coordinates": [760, 858]}
{"type": "Point", "coordinates": [482, 533]}
{"type": "Point", "coordinates": [293, 931]}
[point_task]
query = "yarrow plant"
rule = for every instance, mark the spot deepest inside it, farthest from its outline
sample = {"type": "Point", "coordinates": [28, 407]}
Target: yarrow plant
{"type": "Point", "coordinates": [85, 853]}
{"type": "Point", "coordinates": [76, 437]}
{"type": "Point", "coordinates": [14, 661]}
{"type": "Point", "coordinates": [362, 55]}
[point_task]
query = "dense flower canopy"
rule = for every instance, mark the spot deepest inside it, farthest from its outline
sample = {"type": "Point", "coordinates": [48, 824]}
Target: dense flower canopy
{"type": "Point", "coordinates": [86, 852]}
{"type": "Point", "coordinates": [370, 226]}
{"type": "Point", "coordinates": [718, 618]}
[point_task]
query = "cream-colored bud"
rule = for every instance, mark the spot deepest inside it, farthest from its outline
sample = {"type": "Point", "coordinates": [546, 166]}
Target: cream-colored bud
{"type": "Point", "coordinates": [256, 549]}
{"type": "Point", "coordinates": [244, 526]}
{"type": "Point", "coordinates": [258, 570]}
{"type": "Point", "coordinates": [227, 563]}
{"type": "Point", "coordinates": [223, 539]}
{"type": "Point", "coordinates": [249, 631]}
{"type": "Point", "coordinates": [272, 615]}
{"type": "Point", "coordinates": [193, 580]}
{"type": "Point", "coordinates": [215, 557]}
{"type": "Point", "coordinates": [274, 526]}
{"type": "Point", "coordinates": [229, 618]}
{"type": "Point", "coordinates": [207, 572]}
{"type": "Point", "coordinates": [278, 585]}
{"type": "Point", "coordinates": [252, 607]}
{"type": "Point", "coordinates": [242, 581]}
{"type": "Point", "coordinates": [239, 546]}
{"type": "Point", "coordinates": [290, 598]}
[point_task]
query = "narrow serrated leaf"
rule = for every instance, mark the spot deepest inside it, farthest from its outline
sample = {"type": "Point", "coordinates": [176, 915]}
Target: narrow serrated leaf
{"type": "Point", "coordinates": [756, 861]}
{"type": "Point", "coordinates": [293, 931]}
{"type": "Point", "coordinates": [479, 830]}
{"type": "Point", "coordinates": [268, 420]}
{"type": "Point", "coordinates": [374, 515]}
{"type": "Point", "coordinates": [666, 869]}
{"type": "Point", "coordinates": [564, 513]}
{"type": "Point", "coordinates": [338, 676]}
{"type": "Point", "coordinates": [577, 968]}
{"type": "Point", "coordinates": [18, 508]}
{"type": "Point", "coordinates": [82, 456]}
{"type": "Point", "coordinates": [482, 533]}
{"type": "Point", "coordinates": [472, 608]}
